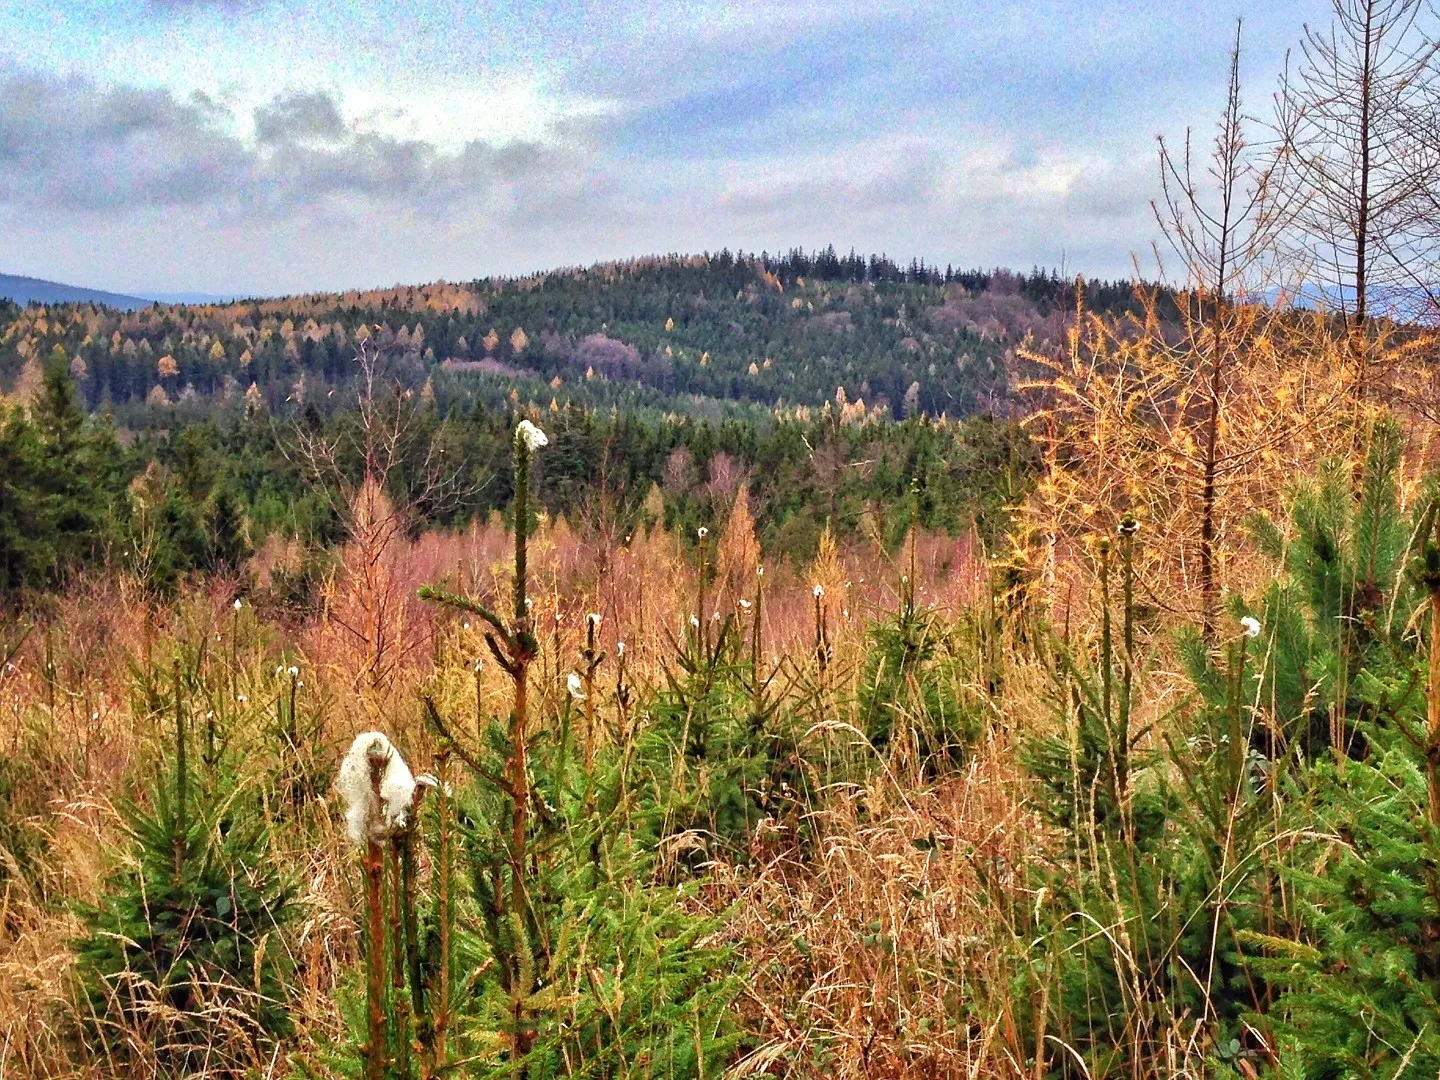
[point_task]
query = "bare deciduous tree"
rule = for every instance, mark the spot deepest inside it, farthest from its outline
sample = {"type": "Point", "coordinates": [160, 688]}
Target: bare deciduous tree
{"type": "Point", "coordinates": [381, 470]}
{"type": "Point", "coordinates": [1356, 172]}
{"type": "Point", "coordinates": [1223, 221]}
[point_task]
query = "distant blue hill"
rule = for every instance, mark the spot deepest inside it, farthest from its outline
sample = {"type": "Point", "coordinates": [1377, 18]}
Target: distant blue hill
{"type": "Point", "coordinates": [27, 290]}
{"type": "Point", "coordinates": [1404, 304]}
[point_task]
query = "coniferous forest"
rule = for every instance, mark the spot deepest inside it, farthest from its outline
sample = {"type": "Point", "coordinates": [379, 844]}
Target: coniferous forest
{"type": "Point", "coordinates": [750, 665]}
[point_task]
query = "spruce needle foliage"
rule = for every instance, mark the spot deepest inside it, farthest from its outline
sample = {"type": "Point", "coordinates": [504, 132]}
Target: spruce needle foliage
{"type": "Point", "coordinates": [916, 691]}
{"type": "Point", "coordinates": [184, 959]}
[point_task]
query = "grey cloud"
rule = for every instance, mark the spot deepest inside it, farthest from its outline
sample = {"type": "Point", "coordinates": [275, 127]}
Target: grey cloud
{"type": "Point", "coordinates": [62, 143]}
{"type": "Point", "coordinates": [299, 116]}
{"type": "Point", "coordinates": [910, 178]}
{"type": "Point", "coordinates": [69, 145]}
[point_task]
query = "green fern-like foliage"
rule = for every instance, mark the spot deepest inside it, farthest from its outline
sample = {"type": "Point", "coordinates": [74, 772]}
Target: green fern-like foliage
{"type": "Point", "coordinates": [712, 765]}
{"type": "Point", "coordinates": [608, 971]}
{"type": "Point", "coordinates": [1362, 981]}
{"type": "Point", "coordinates": [1360, 971]}
{"type": "Point", "coordinates": [623, 981]}
{"type": "Point", "coordinates": [1340, 603]}
{"type": "Point", "coordinates": [914, 685]}
{"type": "Point", "coordinates": [183, 957]}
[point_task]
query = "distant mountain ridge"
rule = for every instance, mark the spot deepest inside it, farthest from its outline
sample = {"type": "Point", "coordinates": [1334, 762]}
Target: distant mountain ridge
{"type": "Point", "coordinates": [28, 290]}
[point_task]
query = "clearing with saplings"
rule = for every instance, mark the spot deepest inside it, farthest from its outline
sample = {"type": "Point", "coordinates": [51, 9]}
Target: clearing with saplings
{"type": "Point", "coordinates": [724, 665]}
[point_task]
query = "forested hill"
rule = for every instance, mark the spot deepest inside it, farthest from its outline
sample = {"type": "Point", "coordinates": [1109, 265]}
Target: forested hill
{"type": "Point", "coordinates": [702, 335]}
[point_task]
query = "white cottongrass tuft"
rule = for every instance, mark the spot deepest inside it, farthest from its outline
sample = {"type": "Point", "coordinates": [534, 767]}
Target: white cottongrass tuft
{"type": "Point", "coordinates": [695, 621]}
{"type": "Point", "coordinates": [702, 532]}
{"type": "Point", "coordinates": [238, 605]}
{"type": "Point", "coordinates": [620, 647]}
{"type": "Point", "coordinates": [531, 436]}
{"type": "Point", "coordinates": [367, 818]}
{"type": "Point", "coordinates": [593, 620]}
{"type": "Point", "coordinates": [819, 590]}
{"type": "Point", "coordinates": [576, 688]}
{"type": "Point", "coordinates": [1250, 626]}
{"type": "Point", "coordinates": [745, 605]}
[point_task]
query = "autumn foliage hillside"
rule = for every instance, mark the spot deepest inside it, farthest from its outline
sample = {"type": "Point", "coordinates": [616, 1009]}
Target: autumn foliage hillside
{"type": "Point", "coordinates": [681, 333]}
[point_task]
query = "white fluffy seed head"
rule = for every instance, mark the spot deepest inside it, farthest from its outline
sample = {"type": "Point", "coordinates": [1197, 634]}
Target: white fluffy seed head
{"type": "Point", "coordinates": [1250, 626]}
{"type": "Point", "coordinates": [575, 686]}
{"type": "Point", "coordinates": [531, 436]}
{"type": "Point", "coordinates": [593, 620]}
{"type": "Point", "coordinates": [819, 591]}
{"type": "Point", "coordinates": [367, 817]}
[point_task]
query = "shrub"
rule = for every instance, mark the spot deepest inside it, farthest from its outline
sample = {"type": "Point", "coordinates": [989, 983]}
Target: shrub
{"type": "Point", "coordinates": [182, 959]}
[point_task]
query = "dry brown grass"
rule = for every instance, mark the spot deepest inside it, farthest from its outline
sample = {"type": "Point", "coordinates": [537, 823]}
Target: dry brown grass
{"type": "Point", "coordinates": [77, 717]}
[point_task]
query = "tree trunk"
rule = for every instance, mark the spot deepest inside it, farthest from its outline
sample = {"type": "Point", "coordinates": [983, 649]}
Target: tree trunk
{"type": "Point", "coordinates": [1432, 742]}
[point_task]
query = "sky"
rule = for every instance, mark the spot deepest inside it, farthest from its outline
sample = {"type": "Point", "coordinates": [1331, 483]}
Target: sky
{"type": "Point", "coordinates": [266, 147]}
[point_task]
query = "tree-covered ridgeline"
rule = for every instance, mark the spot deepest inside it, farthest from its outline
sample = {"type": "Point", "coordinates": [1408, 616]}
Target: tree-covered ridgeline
{"type": "Point", "coordinates": [681, 333]}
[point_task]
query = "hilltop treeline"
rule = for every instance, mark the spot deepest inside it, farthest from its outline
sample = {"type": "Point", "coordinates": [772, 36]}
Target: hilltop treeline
{"type": "Point", "coordinates": [682, 333]}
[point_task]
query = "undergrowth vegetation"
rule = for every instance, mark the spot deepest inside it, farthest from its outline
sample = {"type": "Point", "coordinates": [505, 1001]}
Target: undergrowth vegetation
{"type": "Point", "coordinates": [532, 800]}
